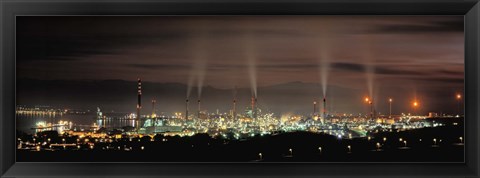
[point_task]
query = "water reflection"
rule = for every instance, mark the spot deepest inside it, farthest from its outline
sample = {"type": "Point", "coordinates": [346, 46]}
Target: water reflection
{"type": "Point", "coordinates": [29, 122]}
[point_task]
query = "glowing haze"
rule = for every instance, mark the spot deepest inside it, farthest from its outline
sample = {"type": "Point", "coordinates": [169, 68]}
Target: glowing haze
{"type": "Point", "coordinates": [351, 56]}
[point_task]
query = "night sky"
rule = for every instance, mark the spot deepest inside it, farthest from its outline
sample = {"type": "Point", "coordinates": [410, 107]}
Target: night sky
{"type": "Point", "coordinates": [405, 57]}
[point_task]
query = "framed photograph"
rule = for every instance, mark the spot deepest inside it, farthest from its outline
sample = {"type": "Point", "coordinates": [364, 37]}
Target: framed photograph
{"type": "Point", "coordinates": [187, 88]}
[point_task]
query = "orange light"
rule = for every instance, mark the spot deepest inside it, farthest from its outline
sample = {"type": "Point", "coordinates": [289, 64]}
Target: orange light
{"type": "Point", "coordinates": [459, 96]}
{"type": "Point", "coordinates": [366, 99]}
{"type": "Point", "coordinates": [390, 100]}
{"type": "Point", "coordinates": [415, 104]}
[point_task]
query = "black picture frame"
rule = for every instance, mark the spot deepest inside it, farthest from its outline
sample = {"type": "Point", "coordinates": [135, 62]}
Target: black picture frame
{"type": "Point", "coordinates": [11, 8]}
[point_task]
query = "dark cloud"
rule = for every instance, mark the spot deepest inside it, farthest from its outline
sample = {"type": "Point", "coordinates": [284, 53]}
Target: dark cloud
{"type": "Point", "coordinates": [349, 66]}
{"type": "Point", "coordinates": [452, 72]}
{"type": "Point", "coordinates": [361, 68]}
{"type": "Point", "coordinates": [159, 66]}
{"type": "Point", "coordinates": [390, 71]}
{"type": "Point", "coordinates": [289, 66]}
{"type": "Point", "coordinates": [45, 48]}
{"type": "Point", "coordinates": [263, 32]}
{"type": "Point", "coordinates": [63, 38]}
{"type": "Point", "coordinates": [449, 25]}
{"type": "Point", "coordinates": [457, 81]}
{"type": "Point", "coordinates": [455, 25]}
{"type": "Point", "coordinates": [78, 47]}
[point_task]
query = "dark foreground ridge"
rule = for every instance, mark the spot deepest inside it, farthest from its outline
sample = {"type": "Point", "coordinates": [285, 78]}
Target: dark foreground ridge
{"type": "Point", "coordinates": [305, 147]}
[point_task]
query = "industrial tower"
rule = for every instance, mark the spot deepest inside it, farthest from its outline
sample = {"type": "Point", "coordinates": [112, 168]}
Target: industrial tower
{"type": "Point", "coordinates": [139, 103]}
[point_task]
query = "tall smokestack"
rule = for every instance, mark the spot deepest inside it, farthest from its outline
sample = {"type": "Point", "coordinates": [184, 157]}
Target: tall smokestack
{"type": "Point", "coordinates": [139, 102]}
{"type": "Point", "coordinates": [153, 106]}
{"type": "Point", "coordinates": [234, 109]}
{"type": "Point", "coordinates": [186, 109]}
{"type": "Point", "coordinates": [234, 113]}
{"type": "Point", "coordinates": [314, 107]}
{"type": "Point", "coordinates": [154, 118]}
{"type": "Point", "coordinates": [371, 110]}
{"type": "Point", "coordinates": [100, 119]}
{"type": "Point", "coordinates": [253, 107]}
{"type": "Point", "coordinates": [324, 108]}
{"type": "Point", "coordinates": [198, 114]}
{"type": "Point", "coordinates": [255, 110]}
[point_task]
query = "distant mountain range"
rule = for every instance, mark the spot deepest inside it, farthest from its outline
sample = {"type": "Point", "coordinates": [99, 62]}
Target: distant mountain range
{"type": "Point", "coordinates": [120, 96]}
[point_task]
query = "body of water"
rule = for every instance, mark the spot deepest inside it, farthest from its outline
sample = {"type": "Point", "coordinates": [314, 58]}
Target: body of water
{"type": "Point", "coordinates": [27, 122]}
